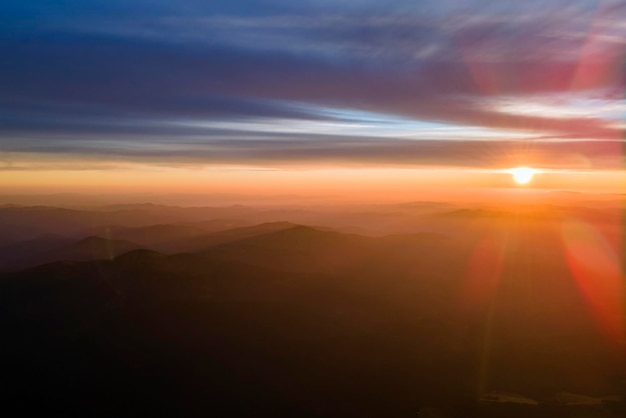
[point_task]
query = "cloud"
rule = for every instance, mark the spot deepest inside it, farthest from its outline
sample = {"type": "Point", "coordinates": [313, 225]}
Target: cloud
{"type": "Point", "coordinates": [326, 150]}
{"type": "Point", "coordinates": [202, 74]}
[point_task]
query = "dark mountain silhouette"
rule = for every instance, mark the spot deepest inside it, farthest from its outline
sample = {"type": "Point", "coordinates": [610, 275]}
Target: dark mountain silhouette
{"type": "Point", "coordinates": [300, 248]}
{"type": "Point", "coordinates": [90, 248]}
{"type": "Point", "coordinates": [93, 248]}
{"type": "Point", "coordinates": [154, 235]}
{"type": "Point", "coordinates": [296, 248]}
{"type": "Point", "coordinates": [214, 225]}
{"type": "Point", "coordinates": [21, 223]}
{"type": "Point", "coordinates": [206, 241]}
{"type": "Point", "coordinates": [24, 253]}
{"type": "Point", "coordinates": [281, 319]}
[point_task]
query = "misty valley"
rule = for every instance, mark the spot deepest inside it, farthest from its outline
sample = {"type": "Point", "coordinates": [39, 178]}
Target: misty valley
{"type": "Point", "coordinates": [417, 309]}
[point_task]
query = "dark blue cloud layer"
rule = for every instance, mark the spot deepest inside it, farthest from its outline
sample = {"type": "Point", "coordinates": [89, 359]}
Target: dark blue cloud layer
{"type": "Point", "coordinates": [117, 71]}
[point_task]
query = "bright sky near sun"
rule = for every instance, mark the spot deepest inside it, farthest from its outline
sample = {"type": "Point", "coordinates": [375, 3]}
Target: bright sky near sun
{"type": "Point", "coordinates": [184, 93]}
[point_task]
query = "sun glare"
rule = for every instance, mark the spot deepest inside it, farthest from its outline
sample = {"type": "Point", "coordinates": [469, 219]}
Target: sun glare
{"type": "Point", "coordinates": [522, 175]}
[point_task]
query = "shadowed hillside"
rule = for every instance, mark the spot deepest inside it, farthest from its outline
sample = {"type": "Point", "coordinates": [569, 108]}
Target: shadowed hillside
{"type": "Point", "coordinates": [286, 319]}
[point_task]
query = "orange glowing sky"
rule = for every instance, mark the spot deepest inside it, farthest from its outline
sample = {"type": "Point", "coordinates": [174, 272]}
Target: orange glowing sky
{"type": "Point", "coordinates": [348, 183]}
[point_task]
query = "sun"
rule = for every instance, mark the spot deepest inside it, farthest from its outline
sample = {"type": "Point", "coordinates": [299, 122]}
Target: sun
{"type": "Point", "coordinates": [522, 175]}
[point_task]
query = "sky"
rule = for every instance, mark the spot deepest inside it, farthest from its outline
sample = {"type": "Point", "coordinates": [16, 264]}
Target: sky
{"type": "Point", "coordinates": [242, 95]}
